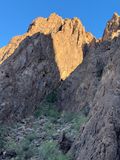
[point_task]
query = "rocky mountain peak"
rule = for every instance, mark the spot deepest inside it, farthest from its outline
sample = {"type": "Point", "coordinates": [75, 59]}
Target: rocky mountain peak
{"type": "Point", "coordinates": [67, 35]}
{"type": "Point", "coordinates": [33, 64]}
{"type": "Point", "coordinates": [112, 28]}
{"type": "Point", "coordinates": [46, 25]}
{"type": "Point", "coordinates": [54, 23]}
{"type": "Point", "coordinates": [115, 15]}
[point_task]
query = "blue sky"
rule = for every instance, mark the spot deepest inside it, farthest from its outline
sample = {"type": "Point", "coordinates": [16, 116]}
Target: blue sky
{"type": "Point", "coordinates": [16, 15]}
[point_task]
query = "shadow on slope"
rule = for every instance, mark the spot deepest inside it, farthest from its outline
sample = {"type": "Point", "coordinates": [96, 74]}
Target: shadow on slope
{"type": "Point", "coordinates": [78, 90]}
{"type": "Point", "coordinates": [100, 137]}
{"type": "Point", "coordinates": [27, 76]}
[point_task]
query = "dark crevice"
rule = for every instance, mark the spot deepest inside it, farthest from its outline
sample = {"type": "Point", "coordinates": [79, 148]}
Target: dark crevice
{"type": "Point", "coordinates": [99, 68]}
{"type": "Point", "coordinates": [60, 28]}
{"type": "Point", "coordinates": [85, 49]}
{"type": "Point", "coordinates": [65, 144]}
{"type": "Point", "coordinates": [118, 143]}
{"type": "Point", "coordinates": [7, 75]}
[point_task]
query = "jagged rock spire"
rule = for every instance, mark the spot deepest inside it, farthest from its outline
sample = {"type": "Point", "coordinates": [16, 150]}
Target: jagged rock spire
{"type": "Point", "coordinates": [112, 28]}
{"type": "Point", "coordinates": [68, 37]}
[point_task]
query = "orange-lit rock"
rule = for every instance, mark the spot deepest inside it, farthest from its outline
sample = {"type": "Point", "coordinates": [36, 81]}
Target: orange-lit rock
{"type": "Point", "coordinates": [68, 38]}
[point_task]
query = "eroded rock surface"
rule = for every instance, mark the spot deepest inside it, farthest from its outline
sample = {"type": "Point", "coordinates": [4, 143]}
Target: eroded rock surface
{"type": "Point", "coordinates": [78, 90]}
{"type": "Point", "coordinates": [112, 29]}
{"type": "Point", "coordinates": [100, 137]}
{"type": "Point", "coordinates": [27, 76]}
{"type": "Point", "coordinates": [33, 64]}
{"type": "Point", "coordinates": [68, 36]}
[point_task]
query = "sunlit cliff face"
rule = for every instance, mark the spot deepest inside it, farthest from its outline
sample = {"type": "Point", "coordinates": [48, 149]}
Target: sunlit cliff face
{"type": "Point", "coordinates": [68, 38]}
{"type": "Point", "coordinates": [112, 29]}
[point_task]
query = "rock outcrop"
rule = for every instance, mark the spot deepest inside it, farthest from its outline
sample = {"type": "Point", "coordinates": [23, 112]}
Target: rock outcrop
{"type": "Point", "coordinates": [27, 76]}
{"type": "Point", "coordinates": [112, 29]}
{"type": "Point", "coordinates": [68, 38]}
{"type": "Point", "coordinates": [100, 137]}
{"type": "Point", "coordinates": [80, 87]}
{"type": "Point", "coordinates": [33, 64]}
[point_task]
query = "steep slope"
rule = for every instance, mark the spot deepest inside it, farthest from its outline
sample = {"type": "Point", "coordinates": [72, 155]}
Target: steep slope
{"type": "Point", "coordinates": [33, 64]}
{"type": "Point", "coordinates": [79, 89]}
{"type": "Point", "coordinates": [99, 138]}
{"type": "Point", "coordinates": [27, 76]}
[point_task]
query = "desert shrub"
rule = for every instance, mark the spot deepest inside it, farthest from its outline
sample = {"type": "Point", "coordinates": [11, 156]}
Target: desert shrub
{"type": "Point", "coordinates": [31, 136]}
{"type": "Point", "coordinates": [3, 132]}
{"type": "Point", "coordinates": [52, 97]}
{"type": "Point", "coordinates": [48, 110]}
{"type": "Point", "coordinates": [68, 116]}
{"type": "Point", "coordinates": [22, 149]}
{"type": "Point", "coordinates": [49, 150]}
{"type": "Point", "coordinates": [49, 129]}
{"type": "Point", "coordinates": [23, 145]}
{"type": "Point", "coordinates": [76, 119]}
{"type": "Point", "coordinates": [48, 107]}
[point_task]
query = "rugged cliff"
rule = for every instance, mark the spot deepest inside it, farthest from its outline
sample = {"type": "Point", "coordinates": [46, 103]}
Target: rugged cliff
{"type": "Point", "coordinates": [33, 64]}
{"type": "Point", "coordinates": [99, 138]}
{"type": "Point", "coordinates": [80, 87]}
{"type": "Point", "coordinates": [58, 55]}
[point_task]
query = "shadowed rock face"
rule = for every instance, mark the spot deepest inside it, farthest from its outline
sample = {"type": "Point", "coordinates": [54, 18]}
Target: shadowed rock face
{"type": "Point", "coordinates": [78, 90]}
{"type": "Point", "coordinates": [100, 137]}
{"type": "Point", "coordinates": [27, 76]}
{"type": "Point", "coordinates": [33, 64]}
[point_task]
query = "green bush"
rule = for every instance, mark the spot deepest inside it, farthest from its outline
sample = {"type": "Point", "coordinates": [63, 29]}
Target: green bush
{"type": "Point", "coordinates": [49, 129]}
{"type": "Point", "coordinates": [3, 132]}
{"type": "Point", "coordinates": [49, 150]}
{"type": "Point", "coordinates": [23, 145]}
{"type": "Point", "coordinates": [76, 119]}
{"type": "Point", "coordinates": [31, 136]}
{"type": "Point", "coordinates": [68, 116]}
{"type": "Point", "coordinates": [22, 149]}
{"type": "Point", "coordinates": [48, 110]}
{"type": "Point", "coordinates": [52, 97]}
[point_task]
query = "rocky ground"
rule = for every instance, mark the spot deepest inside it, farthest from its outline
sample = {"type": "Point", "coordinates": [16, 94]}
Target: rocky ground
{"type": "Point", "coordinates": [48, 135]}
